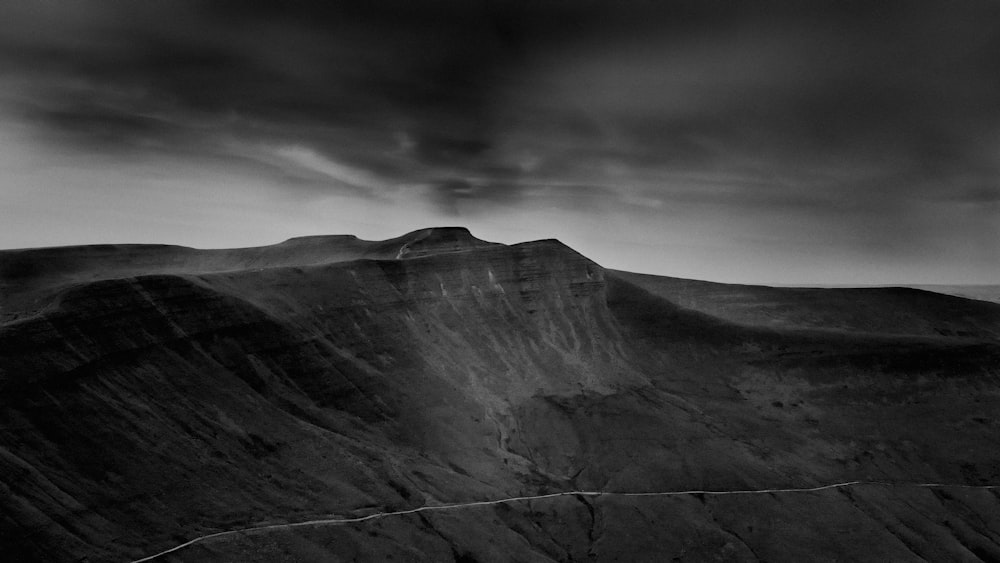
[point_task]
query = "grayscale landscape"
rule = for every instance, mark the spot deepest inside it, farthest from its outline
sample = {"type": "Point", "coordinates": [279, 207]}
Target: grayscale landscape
{"type": "Point", "coordinates": [560, 281]}
{"type": "Point", "coordinates": [154, 394]}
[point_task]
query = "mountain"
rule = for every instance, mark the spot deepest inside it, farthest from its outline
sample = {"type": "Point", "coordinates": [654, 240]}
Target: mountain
{"type": "Point", "coordinates": [889, 310]}
{"type": "Point", "coordinates": [153, 394]}
{"type": "Point", "coordinates": [981, 292]}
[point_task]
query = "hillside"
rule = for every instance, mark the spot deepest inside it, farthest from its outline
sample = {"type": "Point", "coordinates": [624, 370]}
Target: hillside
{"type": "Point", "coordinates": [981, 292]}
{"type": "Point", "coordinates": [28, 276]}
{"type": "Point", "coordinates": [890, 310]}
{"type": "Point", "coordinates": [152, 394]}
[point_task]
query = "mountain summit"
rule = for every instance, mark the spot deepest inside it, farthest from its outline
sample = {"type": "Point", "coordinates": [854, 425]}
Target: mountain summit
{"type": "Point", "coordinates": [153, 394]}
{"type": "Point", "coordinates": [438, 240]}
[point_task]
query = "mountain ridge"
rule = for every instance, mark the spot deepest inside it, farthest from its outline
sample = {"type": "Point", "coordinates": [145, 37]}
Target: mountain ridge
{"type": "Point", "coordinates": [141, 409]}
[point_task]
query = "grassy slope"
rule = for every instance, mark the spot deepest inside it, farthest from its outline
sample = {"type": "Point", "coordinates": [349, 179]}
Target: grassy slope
{"type": "Point", "coordinates": [989, 293]}
{"type": "Point", "coordinates": [891, 310]}
{"type": "Point", "coordinates": [138, 412]}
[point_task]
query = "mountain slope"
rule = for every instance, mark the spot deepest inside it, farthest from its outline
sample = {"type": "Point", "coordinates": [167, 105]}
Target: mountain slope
{"type": "Point", "coordinates": [28, 276]}
{"type": "Point", "coordinates": [147, 400]}
{"type": "Point", "coordinates": [891, 310]}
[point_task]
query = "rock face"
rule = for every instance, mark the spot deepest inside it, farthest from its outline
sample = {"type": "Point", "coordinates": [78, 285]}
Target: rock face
{"type": "Point", "coordinates": [151, 394]}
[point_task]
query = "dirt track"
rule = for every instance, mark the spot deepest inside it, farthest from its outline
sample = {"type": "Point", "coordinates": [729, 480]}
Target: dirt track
{"type": "Point", "coordinates": [377, 515]}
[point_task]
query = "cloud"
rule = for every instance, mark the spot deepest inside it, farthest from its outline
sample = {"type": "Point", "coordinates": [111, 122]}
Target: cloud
{"type": "Point", "coordinates": [781, 103]}
{"type": "Point", "coordinates": [310, 161]}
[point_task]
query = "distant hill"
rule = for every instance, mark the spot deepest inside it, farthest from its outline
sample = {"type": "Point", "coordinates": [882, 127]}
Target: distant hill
{"type": "Point", "coordinates": [891, 310]}
{"type": "Point", "coordinates": [982, 292]}
{"type": "Point", "coordinates": [151, 394]}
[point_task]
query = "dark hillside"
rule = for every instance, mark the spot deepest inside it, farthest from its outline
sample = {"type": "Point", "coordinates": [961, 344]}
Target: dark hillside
{"type": "Point", "coordinates": [159, 394]}
{"type": "Point", "coordinates": [891, 310]}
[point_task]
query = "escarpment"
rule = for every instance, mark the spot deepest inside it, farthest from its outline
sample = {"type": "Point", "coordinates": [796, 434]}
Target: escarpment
{"type": "Point", "coordinates": [429, 353]}
{"type": "Point", "coordinates": [29, 277]}
{"type": "Point", "coordinates": [152, 394]}
{"type": "Point", "coordinates": [539, 301]}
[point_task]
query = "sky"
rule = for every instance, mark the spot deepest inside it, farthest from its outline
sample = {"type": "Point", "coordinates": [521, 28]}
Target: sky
{"type": "Point", "coordinates": [754, 142]}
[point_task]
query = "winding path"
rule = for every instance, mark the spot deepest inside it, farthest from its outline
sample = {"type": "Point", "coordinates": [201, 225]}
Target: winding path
{"type": "Point", "coordinates": [457, 505]}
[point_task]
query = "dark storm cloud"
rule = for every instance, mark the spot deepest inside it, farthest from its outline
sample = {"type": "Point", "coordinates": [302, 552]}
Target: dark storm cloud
{"type": "Point", "coordinates": [329, 77]}
{"type": "Point", "coordinates": [787, 102]}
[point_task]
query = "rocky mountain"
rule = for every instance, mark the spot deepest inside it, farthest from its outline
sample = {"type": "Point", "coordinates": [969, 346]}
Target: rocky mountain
{"type": "Point", "coordinates": [153, 394]}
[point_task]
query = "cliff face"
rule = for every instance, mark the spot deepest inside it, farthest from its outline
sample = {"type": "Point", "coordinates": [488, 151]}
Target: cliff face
{"type": "Point", "coordinates": [153, 394]}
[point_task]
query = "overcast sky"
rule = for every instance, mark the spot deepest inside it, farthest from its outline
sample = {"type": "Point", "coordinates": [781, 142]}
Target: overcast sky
{"type": "Point", "coordinates": [783, 142]}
